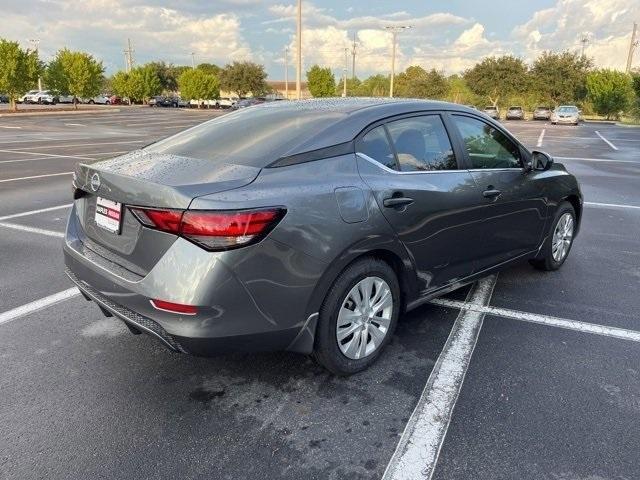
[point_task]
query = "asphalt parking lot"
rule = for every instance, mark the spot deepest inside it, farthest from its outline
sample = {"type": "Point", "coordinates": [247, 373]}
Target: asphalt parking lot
{"type": "Point", "coordinates": [525, 375]}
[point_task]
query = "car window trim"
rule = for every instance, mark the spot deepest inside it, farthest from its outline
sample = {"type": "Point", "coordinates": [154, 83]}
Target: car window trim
{"type": "Point", "coordinates": [366, 157]}
{"type": "Point", "coordinates": [524, 153]}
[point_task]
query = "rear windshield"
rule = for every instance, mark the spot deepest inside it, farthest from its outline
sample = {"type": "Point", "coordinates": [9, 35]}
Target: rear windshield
{"type": "Point", "coordinates": [490, 108]}
{"type": "Point", "coordinates": [515, 108]}
{"type": "Point", "coordinates": [253, 137]}
{"type": "Point", "coordinates": [568, 109]}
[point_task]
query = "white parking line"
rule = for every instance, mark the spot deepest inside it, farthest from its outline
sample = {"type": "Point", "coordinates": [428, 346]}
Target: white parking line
{"type": "Point", "coordinates": [417, 452]}
{"type": "Point", "coordinates": [46, 154]}
{"type": "Point", "coordinates": [35, 176]}
{"type": "Point", "coordinates": [24, 228]}
{"type": "Point", "coordinates": [12, 127]}
{"type": "Point", "coordinates": [541, 137]}
{"type": "Point", "coordinates": [17, 160]}
{"type": "Point", "coordinates": [606, 141]}
{"type": "Point", "coordinates": [36, 305]}
{"type": "Point", "coordinates": [611, 205]}
{"type": "Point", "coordinates": [34, 212]}
{"type": "Point", "coordinates": [75, 124]}
{"type": "Point", "coordinates": [615, 332]}
{"type": "Point", "coordinates": [581, 159]}
{"type": "Point", "coordinates": [78, 145]}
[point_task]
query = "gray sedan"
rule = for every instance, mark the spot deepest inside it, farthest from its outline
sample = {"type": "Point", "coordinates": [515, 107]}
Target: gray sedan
{"type": "Point", "coordinates": [312, 226]}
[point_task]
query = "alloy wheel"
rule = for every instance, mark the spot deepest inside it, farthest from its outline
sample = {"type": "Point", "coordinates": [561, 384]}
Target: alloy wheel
{"type": "Point", "coordinates": [562, 237]}
{"type": "Point", "coordinates": [364, 318]}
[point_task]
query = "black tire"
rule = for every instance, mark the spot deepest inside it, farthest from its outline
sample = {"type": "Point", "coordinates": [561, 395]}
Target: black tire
{"type": "Point", "coordinates": [326, 350]}
{"type": "Point", "coordinates": [545, 260]}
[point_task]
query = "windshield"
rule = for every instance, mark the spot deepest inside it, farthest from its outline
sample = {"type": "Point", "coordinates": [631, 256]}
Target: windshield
{"type": "Point", "coordinates": [568, 109]}
{"type": "Point", "coordinates": [515, 108]}
{"type": "Point", "coordinates": [254, 137]}
{"type": "Point", "coordinates": [490, 108]}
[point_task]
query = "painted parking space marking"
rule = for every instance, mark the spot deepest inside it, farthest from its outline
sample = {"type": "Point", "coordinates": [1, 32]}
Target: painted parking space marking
{"type": "Point", "coordinates": [417, 452]}
{"type": "Point", "coordinates": [36, 305]}
{"type": "Point", "coordinates": [35, 176]}
{"type": "Point", "coordinates": [582, 159]}
{"type": "Point", "coordinates": [75, 124]}
{"type": "Point", "coordinates": [121, 142]}
{"type": "Point", "coordinates": [541, 138]}
{"type": "Point", "coordinates": [24, 228]}
{"type": "Point", "coordinates": [606, 141]}
{"type": "Point", "coordinates": [576, 325]}
{"type": "Point", "coordinates": [10, 127]}
{"type": "Point", "coordinates": [611, 205]}
{"type": "Point", "coordinates": [35, 212]}
{"type": "Point", "coordinates": [45, 154]}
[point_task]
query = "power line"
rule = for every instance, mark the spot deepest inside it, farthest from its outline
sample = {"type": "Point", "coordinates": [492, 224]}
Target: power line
{"type": "Point", "coordinates": [353, 57]}
{"type": "Point", "coordinates": [585, 38]}
{"type": "Point", "coordinates": [128, 56]}
{"type": "Point", "coordinates": [299, 52]}
{"type": "Point", "coordinates": [286, 72]}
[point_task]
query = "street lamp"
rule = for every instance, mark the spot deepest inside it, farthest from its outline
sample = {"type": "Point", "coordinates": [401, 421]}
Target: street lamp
{"type": "Point", "coordinates": [394, 29]}
{"type": "Point", "coordinates": [36, 43]}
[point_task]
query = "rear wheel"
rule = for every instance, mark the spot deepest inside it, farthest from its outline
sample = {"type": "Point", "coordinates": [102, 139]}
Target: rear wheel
{"type": "Point", "coordinates": [559, 241]}
{"type": "Point", "coordinates": [358, 317]}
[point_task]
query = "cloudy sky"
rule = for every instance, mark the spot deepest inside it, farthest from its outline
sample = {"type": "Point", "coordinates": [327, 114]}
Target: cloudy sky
{"type": "Point", "coordinates": [447, 34]}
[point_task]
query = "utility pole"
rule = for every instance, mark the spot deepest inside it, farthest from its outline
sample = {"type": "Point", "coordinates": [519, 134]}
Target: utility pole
{"type": "Point", "coordinates": [128, 56]}
{"type": "Point", "coordinates": [632, 46]}
{"type": "Point", "coordinates": [286, 72]}
{"type": "Point", "coordinates": [353, 57]}
{"type": "Point", "coordinates": [584, 40]}
{"type": "Point", "coordinates": [299, 52]}
{"type": "Point", "coordinates": [36, 44]}
{"type": "Point", "coordinates": [193, 60]}
{"type": "Point", "coordinates": [394, 36]}
{"type": "Point", "coordinates": [344, 72]}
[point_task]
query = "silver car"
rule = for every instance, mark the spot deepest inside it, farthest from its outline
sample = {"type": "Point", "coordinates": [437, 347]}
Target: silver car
{"type": "Point", "coordinates": [311, 226]}
{"type": "Point", "coordinates": [568, 114]}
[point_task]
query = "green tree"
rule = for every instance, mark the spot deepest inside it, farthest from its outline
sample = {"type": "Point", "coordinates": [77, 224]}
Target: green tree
{"type": "Point", "coordinates": [19, 70]}
{"type": "Point", "coordinates": [166, 74]}
{"type": "Point", "coordinates": [374, 86]}
{"type": "Point", "coordinates": [196, 84]}
{"type": "Point", "coordinates": [459, 92]}
{"type": "Point", "coordinates": [243, 78]}
{"type": "Point", "coordinates": [321, 82]}
{"type": "Point", "coordinates": [121, 85]}
{"type": "Point", "coordinates": [610, 92]}
{"type": "Point", "coordinates": [635, 78]}
{"type": "Point", "coordinates": [353, 84]}
{"type": "Point", "coordinates": [559, 78]}
{"type": "Point", "coordinates": [498, 77]}
{"type": "Point", "coordinates": [144, 83]}
{"type": "Point", "coordinates": [210, 68]}
{"type": "Point", "coordinates": [55, 78]}
{"type": "Point", "coordinates": [416, 82]}
{"type": "Point", "coordinates": [77, 74]}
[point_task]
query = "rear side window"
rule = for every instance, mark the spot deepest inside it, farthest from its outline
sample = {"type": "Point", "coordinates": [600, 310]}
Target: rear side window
{"type": "Point", "coordinates": [422, 144]}
{"type": "Point", "coordinates": [487, 146]}
{"type": "Point", "coordinates": [376, 146]}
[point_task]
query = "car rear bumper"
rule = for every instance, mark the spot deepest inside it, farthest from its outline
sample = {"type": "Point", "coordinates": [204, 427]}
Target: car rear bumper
{"type": "Point", "coordinates": [235, 313]}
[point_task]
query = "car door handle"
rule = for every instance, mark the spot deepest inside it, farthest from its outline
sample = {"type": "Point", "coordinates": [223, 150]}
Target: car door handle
{"type": "Point", "coordinates": [492, 192]}
{"type": "Point", "coordinates": [397, 202]}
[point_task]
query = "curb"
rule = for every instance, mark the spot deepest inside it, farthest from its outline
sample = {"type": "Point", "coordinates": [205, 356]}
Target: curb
{"type": "Point", "coordinates": [37, 113]}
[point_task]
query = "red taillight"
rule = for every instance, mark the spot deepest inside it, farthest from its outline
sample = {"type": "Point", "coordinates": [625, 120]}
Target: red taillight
{"type": "Point", "coordinates": [213, 230]}
{"type": "Point", "coordinates": [174, 307]}
{"type": "Point", "coordinates": [165, 220]}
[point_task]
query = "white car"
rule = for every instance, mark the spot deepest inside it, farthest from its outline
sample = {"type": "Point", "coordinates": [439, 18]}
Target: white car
{"type": "Point", "coordinates": [566, 114]}
{"type": "Point", "coordinates": [65, 98]}
{"type": "Point", "coordinates": [98, 99]}
{"type": "Point", "coordinates": [24, 98]}
{"type": "Point", "coordinates": [47, 97]}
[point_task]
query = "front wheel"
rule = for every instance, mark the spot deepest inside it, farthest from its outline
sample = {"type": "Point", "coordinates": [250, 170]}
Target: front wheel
{"type": "Point", "coordinates": [559, 241]}
{"type": "Point", "coordinates": [358, 317]}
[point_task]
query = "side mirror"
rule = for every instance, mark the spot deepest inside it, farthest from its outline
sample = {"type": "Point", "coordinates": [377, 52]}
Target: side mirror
{"type": "Point", "coordinates": [541, 160]}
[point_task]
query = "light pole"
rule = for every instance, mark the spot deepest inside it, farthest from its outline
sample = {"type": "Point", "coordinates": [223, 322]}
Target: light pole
{"type": "Point", "coordinates": [36, 44]}
{"type": "Point", "coordinates": [344, 71]}
{"type": "Point", "coordinates": [394, 29]}
{"type": "Point", "coordinates": [286, 72]}
{"type": "Point", "coordinates": [299, 52]}
{"type": "Point", "coordinates": [193, 60]}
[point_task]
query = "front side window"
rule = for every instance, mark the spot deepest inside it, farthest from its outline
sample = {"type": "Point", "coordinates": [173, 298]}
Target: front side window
{"type": "Point", "coordinates": [375, 145]}
{"type": "Point", "coordinates": [422, 144]}
{"type": "Point", "coordinates": [487, 146]}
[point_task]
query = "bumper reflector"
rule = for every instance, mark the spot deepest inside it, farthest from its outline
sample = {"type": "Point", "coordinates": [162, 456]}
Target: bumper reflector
{"type": "Point", "coordinates": [174, 307]}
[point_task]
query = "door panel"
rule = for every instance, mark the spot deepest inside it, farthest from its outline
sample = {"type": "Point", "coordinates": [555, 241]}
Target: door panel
{"type": "Point", "coordinates": [514, 203]}
{"type": "Point", "coordinates": [434, 208]}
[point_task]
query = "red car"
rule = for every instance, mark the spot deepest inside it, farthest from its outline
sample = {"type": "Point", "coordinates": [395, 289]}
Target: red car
{"type": "Point", "coordinates": [115, 100]}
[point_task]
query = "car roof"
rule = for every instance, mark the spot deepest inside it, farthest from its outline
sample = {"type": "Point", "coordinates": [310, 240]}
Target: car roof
{"type": "Point", "coordinates": [357, 114]}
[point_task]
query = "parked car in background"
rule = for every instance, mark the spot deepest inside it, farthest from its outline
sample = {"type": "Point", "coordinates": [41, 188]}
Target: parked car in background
{"type": "Point", "coordinates": [23, 98]}
{"type": "Point", "coordinates": [116, 100]}
{"type": "Point", "coordinates": [542, 113]}
{"type": "Point", "coordinates": [4, 98]}
{"type": "Point", "coordinates": [182, 103]}
{"type": "Point", "coordinates": [246, 102]}
{"type": "Point", "coordinates": [515, 113]}
{"type": "Point", "coordinates": [226, 102]}
{"type": "Point", "coordinates": [102, 99]}
{"type": "Point", "coordinates": [66, 98]}
{"type": "Point", "coordinates": [492, 111]}
{"type": "Point", "coordinates": [568, 114]}
{"type": "Point", "coordinates": [155, 101]}
{"type": "Point", "coordinates": [308, 236]}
